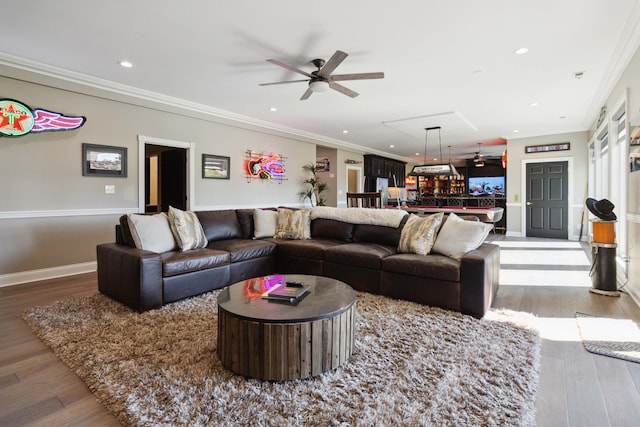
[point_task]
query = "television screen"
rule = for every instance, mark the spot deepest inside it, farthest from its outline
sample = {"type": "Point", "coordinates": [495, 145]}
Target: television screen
{"type": "Point", "coordinates": [479, 185]}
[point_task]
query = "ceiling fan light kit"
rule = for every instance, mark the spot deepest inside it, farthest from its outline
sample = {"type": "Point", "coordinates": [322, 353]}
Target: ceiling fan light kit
{"type": "Point", "coordinates": [319, 86]}
{"type": "Point", "coordinates": [322, 80]}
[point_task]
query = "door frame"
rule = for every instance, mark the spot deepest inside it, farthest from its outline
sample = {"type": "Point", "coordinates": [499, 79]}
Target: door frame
{"type": "Point", "coordinates": [571, 234]}
{"type": "Point", "coordinates": [188, 146]}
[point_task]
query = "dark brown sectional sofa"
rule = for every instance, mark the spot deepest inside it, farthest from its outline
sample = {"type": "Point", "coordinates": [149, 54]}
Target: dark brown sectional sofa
{"type": "Point", "coordinates": [364, 256]}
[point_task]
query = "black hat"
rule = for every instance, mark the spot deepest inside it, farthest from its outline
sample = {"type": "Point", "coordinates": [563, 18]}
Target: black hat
{"type": "Point", "coordinates": [603, 209]}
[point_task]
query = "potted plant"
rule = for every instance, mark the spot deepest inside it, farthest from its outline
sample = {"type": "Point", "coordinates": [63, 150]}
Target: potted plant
{"type": "Point", "coordinates": [313, 186]}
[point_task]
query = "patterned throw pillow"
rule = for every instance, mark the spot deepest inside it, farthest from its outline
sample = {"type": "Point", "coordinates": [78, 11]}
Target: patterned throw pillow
{"type": "Point", "coordinates": [293, 224]}
{"type": "Point", "coordinates": [187, 229]}
{"type": "Point", "coordinates": [151, 232]}
{"type": "Point", "coordinates": [419, 234]}
{"type": "Point", "coordinates": [457, 236]}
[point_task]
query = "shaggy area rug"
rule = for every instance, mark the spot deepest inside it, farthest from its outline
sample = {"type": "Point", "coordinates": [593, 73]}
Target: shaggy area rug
{"type": "Point", "coordinates": [413, 365]}
{"type": "Point", "coordinates": [619, 338]}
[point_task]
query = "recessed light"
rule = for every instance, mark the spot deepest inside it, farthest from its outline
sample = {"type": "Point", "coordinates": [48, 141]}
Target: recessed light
{"type": "Point", "coordinates": [578, 75]}
{"type": "Point", "coordinates": [273, 109]}
{"type": "Point", "coordinates": [534, 104]}
{"type": "Point", "coordinates": [125, 64]}
{"type": "Point", "coordinates": [345, 131]}
{"type": "Point", "coordinates": [521, 51]}
{"type": "Point", "coordinates": [563, 117]}
{"type": "Point", "coordinates": [391, 146]}
{"type": "Point", "coordinates": [417, 154]}
{"type": "Point", "coordinates": [516, 131]}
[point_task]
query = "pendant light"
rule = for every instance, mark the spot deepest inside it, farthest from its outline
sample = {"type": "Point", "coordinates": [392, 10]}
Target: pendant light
{"type": "Point", "coordinates": [480, 162]}
{"type": "Point", "coordinates": [437, 169]}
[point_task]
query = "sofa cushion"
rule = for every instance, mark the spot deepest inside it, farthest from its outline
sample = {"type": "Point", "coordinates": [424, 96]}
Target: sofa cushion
{"type": "Point", "coordinates": [175, 263]}
{"type": "Point", "coordinates": [220, 225]}
{"type": "Point", "coordinates": [310, 249]}
{"type": "Point", "coordinates": [264, 223]}
{"type": "Point", "coordinates": [367, 255]}
{"type": "Point", "coordinates": [293, 224]}
{"type": "Point", "coordinates": [244, 249]}
{"type": "Point", "coordinates": [432, 266]}
{"type": "Point", "coordinates": [186, 229]}
{"type": "Point", "coordinates": [151, 232]}
{"type": "Point", "coordinates": [457, 236]}
{"type": "Point", "coordinates": [245, 218]}
{"type": "Point", "coordinates": [378, 233]}
{"type": "Point", "coordinates": [322, 228]}
{"type": "Point", "coordinates": [419, 234]}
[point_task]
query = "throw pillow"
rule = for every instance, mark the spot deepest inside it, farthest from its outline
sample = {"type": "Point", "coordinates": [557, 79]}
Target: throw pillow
{"type": "Point", "coordinates": [151, 232]}
{"type": "Point", "coordinates": [457, 236]}
{"type": "Point", "coordinates": [293, 224]}
{"type": "Point", "coordinates": [264, 223]}
{"type": "Point", "coordinates": [419, 234]}
{"type": "Point", "coordinates": [187, 229]}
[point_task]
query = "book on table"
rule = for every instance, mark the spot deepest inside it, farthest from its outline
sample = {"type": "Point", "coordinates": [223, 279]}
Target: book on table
{"type": "Point", "coordinates": [287, 293]}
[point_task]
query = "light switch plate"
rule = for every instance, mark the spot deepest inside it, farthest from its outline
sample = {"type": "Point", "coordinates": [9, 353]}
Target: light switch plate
{"type": "Point", "coordinates": [110, 189]}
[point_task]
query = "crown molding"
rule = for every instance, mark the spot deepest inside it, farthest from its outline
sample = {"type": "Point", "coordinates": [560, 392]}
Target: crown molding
{"type": "Point", "coordinates": [628, 45]}
{"type": "Point", "coordinates": [86, 81]}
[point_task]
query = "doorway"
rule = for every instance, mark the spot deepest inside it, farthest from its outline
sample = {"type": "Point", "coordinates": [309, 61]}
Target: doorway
{"type": "Point", "coordinates": [547, 211]}
{"type": "Point", "coordinates": [166, 174]}
{"type": "Point", "coordinates": [165, 178]}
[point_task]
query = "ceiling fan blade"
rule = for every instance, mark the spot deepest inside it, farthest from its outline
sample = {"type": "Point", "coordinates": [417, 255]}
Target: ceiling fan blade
{"type": "Point", "coordinates": [306, 94]}
{"type": "Point", "coordinates": [333, 62]}
{"type": "Point", "coordinates": [357, 76]}
{"type": "Point", "coordinates": [282, 83]}
{"type": "Point", "coordinates": [342, 89]}
{"type": "Point", "coordinates": [289, 67]}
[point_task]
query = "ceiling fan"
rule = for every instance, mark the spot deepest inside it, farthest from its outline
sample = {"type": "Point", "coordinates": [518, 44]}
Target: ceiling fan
{"type": "Point", "coordinates": [322, 79]}
{"type": "Point", "coordinates": [477, 159]}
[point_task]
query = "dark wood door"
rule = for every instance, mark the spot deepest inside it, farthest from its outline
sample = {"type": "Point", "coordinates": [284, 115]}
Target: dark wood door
{"type": "Point", "coordinates": [547, 202]}
{"type": "Point", "coordinates": [173, 179]}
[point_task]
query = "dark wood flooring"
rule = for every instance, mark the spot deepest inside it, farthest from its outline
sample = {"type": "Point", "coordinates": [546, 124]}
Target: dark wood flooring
{"type": "Point", "coordinates": [576, 388]}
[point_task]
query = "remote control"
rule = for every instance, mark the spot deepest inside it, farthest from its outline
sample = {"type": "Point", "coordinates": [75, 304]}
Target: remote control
{"type": "Point", "coordinates": [295, 284]}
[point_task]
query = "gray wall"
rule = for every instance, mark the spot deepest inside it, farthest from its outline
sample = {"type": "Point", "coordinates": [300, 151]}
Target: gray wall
{"type": "Point", "coordinates": [52, 216]}
{"type": "Point", "coordinates": [629, 82]}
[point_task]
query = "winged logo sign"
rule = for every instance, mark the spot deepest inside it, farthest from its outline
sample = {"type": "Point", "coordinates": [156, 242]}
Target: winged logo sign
{"type": "Point", "coordinates": [17, 119]}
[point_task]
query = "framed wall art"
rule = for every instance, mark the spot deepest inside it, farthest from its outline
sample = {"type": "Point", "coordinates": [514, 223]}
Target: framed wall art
{"type": "Point", "coordinates": [104, 160]}
{"type": "Point", "coordinates": [215, 167]}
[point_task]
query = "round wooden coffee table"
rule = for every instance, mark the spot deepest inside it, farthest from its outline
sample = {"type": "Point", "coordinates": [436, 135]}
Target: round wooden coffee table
{"type": "Point", "coordinates": [268, 340]}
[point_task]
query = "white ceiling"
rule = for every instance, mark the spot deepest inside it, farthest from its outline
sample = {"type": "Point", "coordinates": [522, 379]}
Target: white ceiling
{"type": "Point", "coordinates": [446, 63]}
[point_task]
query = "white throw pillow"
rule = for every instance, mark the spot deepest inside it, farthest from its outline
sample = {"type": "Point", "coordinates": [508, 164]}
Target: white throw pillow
{"type": "Point", "coordinates": [187, 229]}
{"type": "Point", "coordinates": [264, 222]}
{"type": "Point", "coordinates": [457, 236]}
{"type": "Point", "coordinates": [151, 232]}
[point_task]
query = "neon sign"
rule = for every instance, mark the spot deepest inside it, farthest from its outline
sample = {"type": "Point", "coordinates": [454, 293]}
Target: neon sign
{"type": "Point", "coordinates": [264, 166]}
{"type": "Point", "coordinates": [17, 119]}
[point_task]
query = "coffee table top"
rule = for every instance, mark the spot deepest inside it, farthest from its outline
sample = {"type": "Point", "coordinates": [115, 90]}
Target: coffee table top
{"type": "Point", "coordinates": [327, 297]}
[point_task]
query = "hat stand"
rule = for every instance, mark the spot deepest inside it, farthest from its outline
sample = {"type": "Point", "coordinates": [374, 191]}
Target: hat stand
{"type": "Point", "coordinates": [603, 254]}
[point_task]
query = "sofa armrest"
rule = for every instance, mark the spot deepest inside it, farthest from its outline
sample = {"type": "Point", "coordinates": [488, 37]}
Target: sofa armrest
{"type": "Point", "coordinates": [129, 275]}
{"type": "Point", "coordinates": [479, 279]}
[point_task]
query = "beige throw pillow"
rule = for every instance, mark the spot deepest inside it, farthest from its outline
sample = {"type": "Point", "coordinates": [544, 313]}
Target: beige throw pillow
{"type": "Point", "coordinates": [293, 224]}
{"type": "Point", "coordinates": [187, 229]}
{"type": "Point", "coordinates": [457, 236]}
{"type": "Point", "coordinates": [419, 233]}
{"type": "Point", "coordinates": [151, 232]}
{"type": "Point", "coordinates": [264, 222]}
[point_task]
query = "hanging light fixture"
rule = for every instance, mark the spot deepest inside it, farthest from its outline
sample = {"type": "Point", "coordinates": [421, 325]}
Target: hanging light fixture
{"type": "Point", "coordinates": [437, 169]}
{"type": "Point", "coordinates": [478, 159]}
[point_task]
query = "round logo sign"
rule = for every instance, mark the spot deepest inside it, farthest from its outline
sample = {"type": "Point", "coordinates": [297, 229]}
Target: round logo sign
{"type": "Point", "coordinates": [16, 119]}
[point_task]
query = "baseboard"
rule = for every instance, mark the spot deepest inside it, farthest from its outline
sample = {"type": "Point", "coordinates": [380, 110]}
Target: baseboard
{"type": "Point", "coordinates": [633, 291]}
{"type": "Point", "coordinates": [46, 273]}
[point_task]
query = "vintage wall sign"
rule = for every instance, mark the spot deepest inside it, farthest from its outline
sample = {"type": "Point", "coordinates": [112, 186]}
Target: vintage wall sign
{"type": "Point", "coordinates": [17, 119]}
{"type": "Point", "coordinates": [545, 148]}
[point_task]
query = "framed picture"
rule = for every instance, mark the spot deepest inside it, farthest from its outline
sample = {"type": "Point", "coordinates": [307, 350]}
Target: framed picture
{"type": "Point", "coordinates": [215, 167]}
{"type": "Point", "coordinates": [104, 160]}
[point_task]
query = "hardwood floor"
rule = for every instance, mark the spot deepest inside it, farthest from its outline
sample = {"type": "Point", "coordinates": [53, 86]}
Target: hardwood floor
{"type": "Point", "coordinates": [549, 279]}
